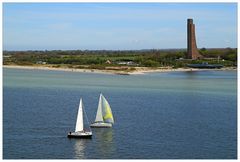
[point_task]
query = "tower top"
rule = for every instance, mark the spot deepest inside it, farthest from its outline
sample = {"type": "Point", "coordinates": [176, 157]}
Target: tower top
{"type": "Point", "coordinates": [190, 21]}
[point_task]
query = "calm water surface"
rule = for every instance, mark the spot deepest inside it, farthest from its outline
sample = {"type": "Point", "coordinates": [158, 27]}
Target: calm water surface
{"type": "Point", "coordinates": [177, 115]}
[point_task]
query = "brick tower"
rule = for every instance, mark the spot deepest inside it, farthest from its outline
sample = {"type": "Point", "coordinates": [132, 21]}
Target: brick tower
{"type": "Point", "coordinates": [192, 51]}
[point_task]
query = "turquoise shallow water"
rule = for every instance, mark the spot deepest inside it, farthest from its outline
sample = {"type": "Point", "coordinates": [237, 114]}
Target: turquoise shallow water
{"type": "Point", "coordinates": [177, 115]}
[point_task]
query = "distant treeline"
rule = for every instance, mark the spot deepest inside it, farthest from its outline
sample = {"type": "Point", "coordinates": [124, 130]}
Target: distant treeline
{"type": "Point", "coordinates": [103, 58]}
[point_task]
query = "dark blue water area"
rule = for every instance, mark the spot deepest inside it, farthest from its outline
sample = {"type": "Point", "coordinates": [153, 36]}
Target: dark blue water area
{"type": "Point", "coordinates": [149, 123]}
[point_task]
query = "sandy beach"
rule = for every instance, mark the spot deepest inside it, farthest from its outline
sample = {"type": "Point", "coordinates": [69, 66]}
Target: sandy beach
{"type": "Point", "coordinates": [137, 71]}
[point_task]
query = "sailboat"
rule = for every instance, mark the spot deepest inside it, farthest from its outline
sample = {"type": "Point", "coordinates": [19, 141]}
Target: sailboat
{"type": "Point", "coordinates": [80, 131]}
{"type": "Point", "coordinates": [104, 117]}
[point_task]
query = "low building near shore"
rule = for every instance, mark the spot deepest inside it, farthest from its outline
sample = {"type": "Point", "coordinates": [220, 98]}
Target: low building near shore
{"type": "Point", "coordinates": [131, 63]}
{"type": "Point", "coordinates": [41, 62]}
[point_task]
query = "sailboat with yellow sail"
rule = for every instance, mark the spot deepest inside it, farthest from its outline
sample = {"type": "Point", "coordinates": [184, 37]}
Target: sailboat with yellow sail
{"type": "Point", "coordinates": [104, 117]}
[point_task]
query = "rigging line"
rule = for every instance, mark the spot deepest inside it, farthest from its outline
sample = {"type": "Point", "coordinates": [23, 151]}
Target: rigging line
{"type": "Point", "coordinates": [86, 116]}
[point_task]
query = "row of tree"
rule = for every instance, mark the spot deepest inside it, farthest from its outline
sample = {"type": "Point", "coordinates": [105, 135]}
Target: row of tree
{"type": "Point", "coordinates": [150, 58]}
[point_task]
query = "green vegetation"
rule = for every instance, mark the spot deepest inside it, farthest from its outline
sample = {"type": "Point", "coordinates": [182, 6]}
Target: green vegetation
{"type": "Point", "coordinates": [103, 59]}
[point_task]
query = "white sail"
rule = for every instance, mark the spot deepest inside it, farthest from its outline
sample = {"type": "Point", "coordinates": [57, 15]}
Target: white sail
{"type": "Point", "coordinates": [99, 117]}
{"type": "Point", "coordinates": [79, 123]}
{"type": "Point", "coordinates": [107, 112]}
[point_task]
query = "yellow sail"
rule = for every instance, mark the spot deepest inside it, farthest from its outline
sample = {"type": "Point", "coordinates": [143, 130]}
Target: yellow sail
{"type": "Point", "coordinates": [108, 112]}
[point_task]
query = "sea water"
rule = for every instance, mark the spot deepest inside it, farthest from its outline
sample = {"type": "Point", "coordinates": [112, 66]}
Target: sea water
{"type": "Point", "coordinates": [171, 115]}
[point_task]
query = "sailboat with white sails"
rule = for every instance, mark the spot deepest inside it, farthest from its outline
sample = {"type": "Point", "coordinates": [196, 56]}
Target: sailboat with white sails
{"type": "Point", "coordinates": [104, 117]}
{"type": "Point", "coordinates": [80, 131]}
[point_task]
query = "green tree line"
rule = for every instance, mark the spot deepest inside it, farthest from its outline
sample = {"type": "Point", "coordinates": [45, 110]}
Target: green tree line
{"type": "Point", "coordinates": [149, 58]}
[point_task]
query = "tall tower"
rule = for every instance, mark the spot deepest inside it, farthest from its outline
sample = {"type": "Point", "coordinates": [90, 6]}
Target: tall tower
{"type": "Point", "coordinates": [192, 51]}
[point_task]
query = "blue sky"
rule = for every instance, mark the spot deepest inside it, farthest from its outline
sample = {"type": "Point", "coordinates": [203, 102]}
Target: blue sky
{"type": "Point", "coordinates": [116, 26]}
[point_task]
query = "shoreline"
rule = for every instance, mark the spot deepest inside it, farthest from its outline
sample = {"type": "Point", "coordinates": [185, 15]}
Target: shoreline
{"type": "Point", "coordinates": [138, 71]}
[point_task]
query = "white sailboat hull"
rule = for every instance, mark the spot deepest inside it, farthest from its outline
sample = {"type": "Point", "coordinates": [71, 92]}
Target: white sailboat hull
{"type": "Point", "coordinates": [101, 125]}
{"type": "Point", "coordinates": [80, 134]}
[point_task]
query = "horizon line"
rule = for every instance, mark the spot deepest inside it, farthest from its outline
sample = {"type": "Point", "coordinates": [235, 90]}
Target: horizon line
{"type": "Point", "coordinates": [118, 49]}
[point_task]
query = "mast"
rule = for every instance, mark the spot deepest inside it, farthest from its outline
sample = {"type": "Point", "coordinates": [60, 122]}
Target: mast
{"type": "Point", "coordinates": [79, 122]}
{"type": "Point", "coordinates": [99, 117]}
